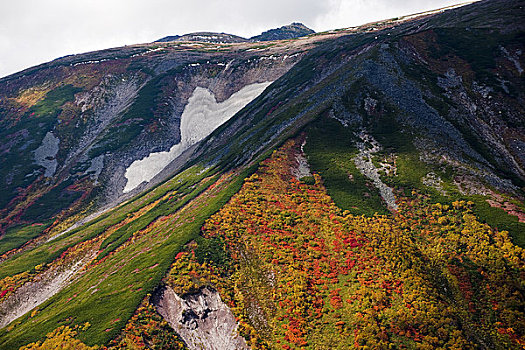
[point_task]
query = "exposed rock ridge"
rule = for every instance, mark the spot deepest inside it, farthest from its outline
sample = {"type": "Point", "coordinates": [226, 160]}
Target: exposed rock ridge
{"type": "Point", "coordinates": [291, 31]}
{"type": "Point", "coordinates": [363, 161]}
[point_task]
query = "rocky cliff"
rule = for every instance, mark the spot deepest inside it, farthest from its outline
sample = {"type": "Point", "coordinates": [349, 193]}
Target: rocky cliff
{"type": "Point", "coordinates": [202, 320]}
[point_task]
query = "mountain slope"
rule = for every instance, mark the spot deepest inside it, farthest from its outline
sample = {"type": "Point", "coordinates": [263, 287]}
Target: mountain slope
{"type": "Point", "coordinates": [103, 111]}
{"type": "Point", "coordinates": [388, 170]}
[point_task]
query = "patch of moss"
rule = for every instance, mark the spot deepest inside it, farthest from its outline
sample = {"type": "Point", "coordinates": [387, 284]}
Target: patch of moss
{"type": "Point", "coordinates": [50, 106]}
{"type": "Point", "coordinates": [498, 218]}
{"type": "Point", "coordinates": [309, 180]}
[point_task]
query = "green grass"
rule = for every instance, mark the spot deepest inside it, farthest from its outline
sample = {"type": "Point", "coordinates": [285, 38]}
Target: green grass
{"type": "Point", "coordinates": [330, 150]}
{"type": "Point", "coordinates": [37, 121]}
{"type": "Point", "coordinates": [123, 278]}
{"type": "Point", "coordinates": [411, 170]}
{"type": "Point", "coordinates": [51, 250]}
{"type": "Point", "coordinates": [499, 219]}
{"type": "Point", "coordinates": [17, 236]}
{"type": "Point", "coordinates": [166, 207]}
{"type": "Point", "coordinates": [51, 105]}
{"type": "Point", "coordinates": [309, 180]}
{"type": "Point", "coordinates": [52, 202]}
{"type": "Point", "coordinates": [397, 139]}
{"type": "Point", "coordinates": [290, 99]}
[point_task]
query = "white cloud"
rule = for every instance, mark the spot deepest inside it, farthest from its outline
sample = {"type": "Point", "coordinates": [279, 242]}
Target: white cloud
{"type": "Point", "coordinates": [36, 31]}
{"type": "Point", "coordinates": [348, 13]}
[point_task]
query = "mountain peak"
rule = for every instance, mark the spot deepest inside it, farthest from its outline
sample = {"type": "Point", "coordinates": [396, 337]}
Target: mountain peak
{"type": "Point", "coordinates": [290, 31]}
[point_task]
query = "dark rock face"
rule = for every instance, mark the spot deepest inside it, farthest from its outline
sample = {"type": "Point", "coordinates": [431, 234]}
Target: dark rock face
{"type": "Point", "coordinates": [291, 31]}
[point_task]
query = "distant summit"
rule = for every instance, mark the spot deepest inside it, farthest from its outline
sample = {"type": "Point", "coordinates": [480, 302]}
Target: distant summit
{"type": "Point", "coordinates": [294, 30]}
{"type": "Point", "coordinates": [208, 37]}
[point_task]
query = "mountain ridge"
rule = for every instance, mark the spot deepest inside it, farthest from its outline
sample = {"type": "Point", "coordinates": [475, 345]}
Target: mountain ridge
{"type": "Point", "coordinates": [290, 31]}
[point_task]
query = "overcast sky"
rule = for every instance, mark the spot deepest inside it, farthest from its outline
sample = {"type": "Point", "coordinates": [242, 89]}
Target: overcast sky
{"type": "Point", "coordinates": [37, 31]}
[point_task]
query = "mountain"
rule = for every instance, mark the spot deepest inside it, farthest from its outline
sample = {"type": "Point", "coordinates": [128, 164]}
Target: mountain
{"type": "Point", "coordinates": [291, 31]}
{"type": "Point", "coordinates": [358, 187]}
{"type": "Point", "coordinates": [207, 37]}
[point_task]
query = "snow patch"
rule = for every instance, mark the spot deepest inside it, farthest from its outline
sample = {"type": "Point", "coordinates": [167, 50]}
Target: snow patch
{"type": "Point", "coordinates": [46, 153]}
{"type": "Point", "coordinates": [201, 116]}
{"type": "Point", "coordinates": [89, 62]}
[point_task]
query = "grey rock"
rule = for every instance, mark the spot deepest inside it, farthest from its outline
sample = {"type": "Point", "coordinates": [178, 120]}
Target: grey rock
{"type": "Point", "coordinates": [202, 319]}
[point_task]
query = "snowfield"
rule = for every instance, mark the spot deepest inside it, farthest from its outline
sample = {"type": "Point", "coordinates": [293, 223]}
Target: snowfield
{"type": "Point", "coordinates": [200, 117]}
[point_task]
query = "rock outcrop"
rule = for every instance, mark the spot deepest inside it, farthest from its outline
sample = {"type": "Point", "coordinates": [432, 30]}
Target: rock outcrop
{"type": "Point", "coordinates": [291, 31]}
{"type": "Point", "coordinates": [202, 320]}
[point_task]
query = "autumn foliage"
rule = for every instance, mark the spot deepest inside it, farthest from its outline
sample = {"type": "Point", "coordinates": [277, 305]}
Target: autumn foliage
{"type": "Point", "coordinates": [309, 275]}
{"type": "Point", "coordinates": [61, 338]}
{"type": "Point", "coordinates": [146, 330]}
